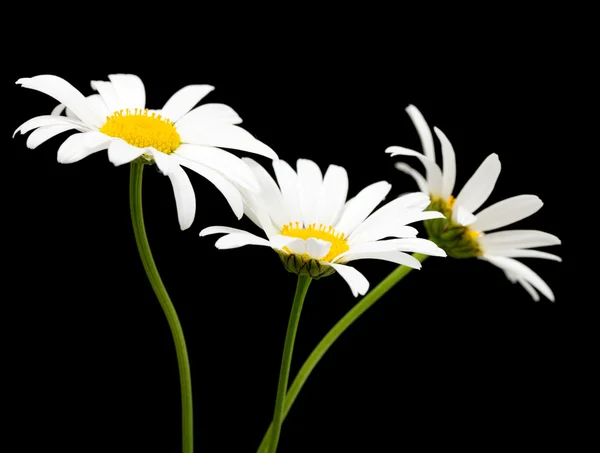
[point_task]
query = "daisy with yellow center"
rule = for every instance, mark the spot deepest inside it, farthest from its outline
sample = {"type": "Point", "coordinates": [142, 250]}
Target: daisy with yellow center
{"type": "Point", "coordinates": [176, 136]}
{"type": "Point", "coordinates": [316, 232]}
{"type": "Point", "coordinates": [464, 233]}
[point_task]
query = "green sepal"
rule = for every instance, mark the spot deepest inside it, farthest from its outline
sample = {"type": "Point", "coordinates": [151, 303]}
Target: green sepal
{"type": "Point", "coordinates": [303, 265]}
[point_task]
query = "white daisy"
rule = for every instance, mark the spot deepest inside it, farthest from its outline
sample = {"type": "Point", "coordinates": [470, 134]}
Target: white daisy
{"type": "Point", "coordinates": [177, 135]}
{"type": "Point", "coordinates": [465, 232]}
{"type": "Point", "coordinates": [308, 221]}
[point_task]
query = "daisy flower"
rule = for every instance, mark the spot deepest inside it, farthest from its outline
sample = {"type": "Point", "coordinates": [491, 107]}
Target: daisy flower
{"type": "Point", "coordinates": [177, 135]}
{"type": "Point", "coordinates": [316, 232]}
{"type": "Point", "coordinates": [465, 233]}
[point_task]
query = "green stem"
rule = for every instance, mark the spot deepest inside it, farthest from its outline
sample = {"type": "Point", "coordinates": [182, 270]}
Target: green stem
{"type": "Point", "coordinates": [137, 218]}
{"type": "Point", "coordinates": [317, 354]}
{"type": "Point", "coordinates": [286, 360]}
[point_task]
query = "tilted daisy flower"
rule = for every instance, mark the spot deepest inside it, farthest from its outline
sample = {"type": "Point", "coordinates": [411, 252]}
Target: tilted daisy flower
{"type": "Point", "coordinates": [465, 233]}
{"type": "Point", "coordinates": [316, 232]}
{"type": "Point", "coordinates": [177, 135]}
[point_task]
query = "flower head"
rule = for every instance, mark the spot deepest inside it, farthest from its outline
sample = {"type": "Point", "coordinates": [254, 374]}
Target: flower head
{"type": "Point", "coordinates": [177, 135]}
{"type": "Point", "coordinates": [316, 232]}
{"type": "Point", "coordinates": [465, 231]}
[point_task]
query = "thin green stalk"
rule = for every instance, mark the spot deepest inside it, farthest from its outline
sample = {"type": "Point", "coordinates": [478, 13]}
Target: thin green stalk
{"type": "Point", "coordinates": [286, 360]}
{"type": "Point", "coordinates": [137, 219]}
{"type": "Point", "coordinates": [317, 354]}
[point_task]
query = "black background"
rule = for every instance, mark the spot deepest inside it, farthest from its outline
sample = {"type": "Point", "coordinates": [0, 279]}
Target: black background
{"type": "Point", "coordinates": [455, 355]}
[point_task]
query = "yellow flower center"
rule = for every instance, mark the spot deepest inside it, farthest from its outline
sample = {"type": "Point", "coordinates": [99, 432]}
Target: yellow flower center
{"type": "Point", "coordinates": [143, 130]}
{"type": "Point", "coordinates": [339, 244]}
{"type": "Point", "coordinates": [472, 233]}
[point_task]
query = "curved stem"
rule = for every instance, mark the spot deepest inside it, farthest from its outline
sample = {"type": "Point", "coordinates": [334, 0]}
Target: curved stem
{"type": "Point", "coordinates": [137, 219]}
{"type": "Point", "coordinates": [286, 360]}
{"type": "Point", "coordinates": [317, 354]}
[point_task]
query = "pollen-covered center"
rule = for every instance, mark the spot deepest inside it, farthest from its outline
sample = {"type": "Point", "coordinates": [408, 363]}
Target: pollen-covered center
{"type": "Point", "coordinates": [338, 241]}
{"type": "Point", "coordinates": [143, 129]}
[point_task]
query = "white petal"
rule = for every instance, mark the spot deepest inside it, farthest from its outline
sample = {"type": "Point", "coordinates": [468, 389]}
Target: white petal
{"type": "Point", "coordinates": [387, 219]}
{"type": "Point", "coordinates": [210, 113]}
{"type": "Point", "coordinates": [357, 281]}
{"type": "Point", "coordinates": [368, 247]}
{"type": "Point", "coordinates": [229, 191]}
{"type": "Point", "coordinates": [229, 165]}
{"type": "Point", "coordinates": [477, 189]}
{"type": "Point", "coordinates": [522, 272]}
{"type": "Point", "coordinates": [448, 162]}
{"type": "Point", "coordinates": [109, 95]}
{"type": "Point", "coordinates": [297, 246]}
{"type": "Point", "coordinates": [49, 120]}
{"type": "Point", "coordinates": [42, 134]}
{"type": "Point", "coordinates": [516, 239]}
{"type": "Point", "coordinates": [506, 212]}
{"type": "Point", "coordinates": [234, 240]}
{"type": "Point", "coordinates": [530, 289]}
{"type": "Point", "coordinates": [418, 177]}
{"type": "Point", "coordinates": [255, 207]}
{"type": "Point", "coordinates": [462, 216]}
{"type": "Point", "coordinates": [79, 146]}
{"type": "Point", "coordinates": [71, 114]}
{"type": "Point", "coordinates": [250, 212]}
{"type": "Point", "coordinates": [224, 136]}
{"type": "Point", "coordinates": [418, 245]}
{"type": "Point", "coordinates": [527, 253]}
{"type": "Point", "coordinates": [94, 102]}
{"type": "Point", "coordinates": [310, 180]}
{"type": "Point", "coordinates": [405, 232]}
{"type": "Point", "coordinates": [393, 256]}
{"type": "Point", "coordinates": [120, 152]}
{"type": "Point", "coordinates": [434, 174]}
{"type": "Point", "coordinates": [333, 195]}
{"type": "Point", "coordinates": [129, 89]}
{"type": "Point", "coordinates": [185, 100]}
{"type": "Point", "coordinates": [58, 110]}
{"type": "Point", "coordinates": [270, 194]}
{"type": "Point", "coordinates": [185, 199]}
{"type": "Point", "coordinates": [65, 93]}
{"type": "Point", "coordinates": [98, 106]}
{"type": "Point", "coordinates": [361, 206]}
{"type": "Point", "coordinates": [72, 146]}
{"type": "Point", "coordinates": [220, 229]}
{"type": "Point", "coordinates": [165, 162]}
{"type": "Point", "coordinates": [280, 241]}
{"type": "Point", "coordinates": [423, 131]}
{"type": "Point", "coordinates": [412, 200]}
{"type": "Point", "coordinates": [288, 183]}
{"type": "Point", "coordinates": [317, 248]}
{"type": "Point", "coordinates": [413, 215]}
